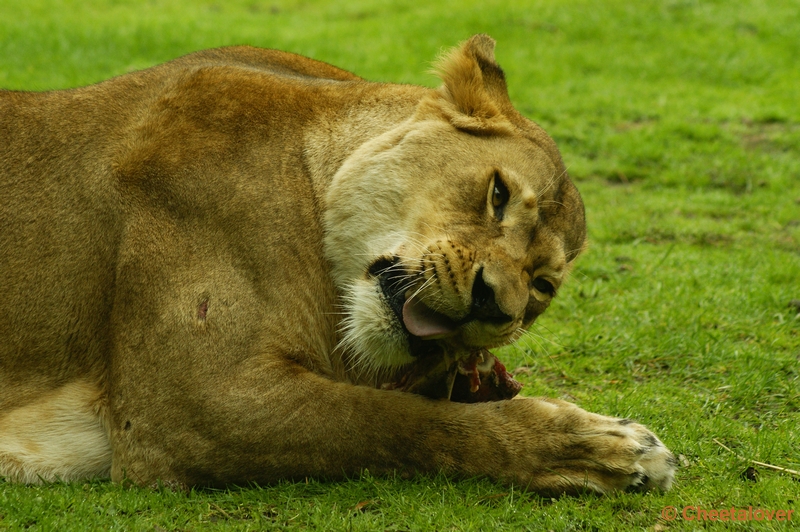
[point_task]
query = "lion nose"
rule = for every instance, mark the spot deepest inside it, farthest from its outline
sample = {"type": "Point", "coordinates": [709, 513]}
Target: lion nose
{"type": "Point", "coordinates": [484, 306]}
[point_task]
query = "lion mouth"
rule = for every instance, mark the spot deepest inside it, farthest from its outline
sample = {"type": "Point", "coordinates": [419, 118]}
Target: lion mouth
{"type": "Point", "coordinates": [417, 319]}
{"type": "Point", "coordinates": [474, 375]}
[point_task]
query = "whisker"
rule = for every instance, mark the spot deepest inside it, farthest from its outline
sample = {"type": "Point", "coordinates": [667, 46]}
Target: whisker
{"type": "Point", "coordinates": [558, 343]}
{"type": "Point", "coordinates": [535, 339]}
{"type": "Point", "coordinates": [427, 282]}
{"type": "Point", "coordinates": [552, 181]}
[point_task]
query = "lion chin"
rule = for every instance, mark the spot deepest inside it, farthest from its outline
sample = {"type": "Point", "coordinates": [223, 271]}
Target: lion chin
{"type": "Point", "coordinates": [245, 265]}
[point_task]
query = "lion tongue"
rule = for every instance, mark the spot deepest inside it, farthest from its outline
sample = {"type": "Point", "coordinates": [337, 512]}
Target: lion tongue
{"type": "Point", "coordinates": [424, 322]}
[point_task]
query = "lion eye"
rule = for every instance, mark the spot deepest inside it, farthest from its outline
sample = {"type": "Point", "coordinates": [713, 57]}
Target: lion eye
{"type": "Point", "coordinates": [544, 286]}
{"type": "Point", "coordinates": [499, 196]}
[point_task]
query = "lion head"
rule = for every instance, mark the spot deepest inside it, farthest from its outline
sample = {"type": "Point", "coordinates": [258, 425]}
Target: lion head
{"type": "Point", "coordinates": [455, 229]}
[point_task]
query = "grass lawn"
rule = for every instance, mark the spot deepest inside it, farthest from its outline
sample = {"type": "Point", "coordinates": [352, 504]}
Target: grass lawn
{"type": "Point", "coordinates": [679, 121]}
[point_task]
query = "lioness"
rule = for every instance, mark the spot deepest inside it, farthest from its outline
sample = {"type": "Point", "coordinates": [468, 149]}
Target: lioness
{"type": "Point", "coordinates": [245, 265]}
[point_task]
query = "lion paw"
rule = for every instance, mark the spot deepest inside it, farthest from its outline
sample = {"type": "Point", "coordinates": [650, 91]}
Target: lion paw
{"type": "Point", "coordinates": [629, 457]}
{"type": "Point", "coordinates": [575, 451]}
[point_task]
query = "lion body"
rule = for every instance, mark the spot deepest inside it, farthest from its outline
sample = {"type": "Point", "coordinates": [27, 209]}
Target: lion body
{"type": "Point", "coordinates": [190, 289]}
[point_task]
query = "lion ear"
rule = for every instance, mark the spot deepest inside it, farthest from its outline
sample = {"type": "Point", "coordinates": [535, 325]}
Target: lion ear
{"type": "Point", "coordinates": [474, 90]}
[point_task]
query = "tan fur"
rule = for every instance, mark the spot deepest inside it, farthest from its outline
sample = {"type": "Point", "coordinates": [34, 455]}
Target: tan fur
{"type": "Point", "coordinates": [193, 259]}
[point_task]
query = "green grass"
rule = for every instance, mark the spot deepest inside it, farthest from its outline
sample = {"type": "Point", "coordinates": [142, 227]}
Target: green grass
{"type": "Point", "coordinates": [680, 123]}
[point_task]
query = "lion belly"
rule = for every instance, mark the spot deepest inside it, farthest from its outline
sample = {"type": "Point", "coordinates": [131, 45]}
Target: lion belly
{"type": "Point", "coordinates": [59, 436]}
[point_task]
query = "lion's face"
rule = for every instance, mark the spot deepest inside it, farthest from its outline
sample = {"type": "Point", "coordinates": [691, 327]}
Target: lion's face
{"type": "Point", "coordinates": [440, 238]}
{"type": "Point", "coordinates": [453, 230]}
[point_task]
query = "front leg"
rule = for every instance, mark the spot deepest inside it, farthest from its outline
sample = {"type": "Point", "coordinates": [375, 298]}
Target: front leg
{"type": "Point", "coordinates": [275, 420]}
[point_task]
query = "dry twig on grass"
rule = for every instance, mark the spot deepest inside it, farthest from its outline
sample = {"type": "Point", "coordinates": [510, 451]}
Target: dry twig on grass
{"type": "Point", "coordinates": [756, 462]}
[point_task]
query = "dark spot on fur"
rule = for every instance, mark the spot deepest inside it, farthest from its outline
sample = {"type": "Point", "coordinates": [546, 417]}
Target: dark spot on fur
{"type": "Point", "coordinates": [202, 310]}
{"type": "Point", "coordinates": [625, 421]}
{"type": "Point", "coordinates": [652, 440]}
{"type": "Point", "coordinates": [127, 426]}
{"type": "Point", "coordinates": [671, 460]}
{"type": "Point", "coordinates": [639, 483]}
